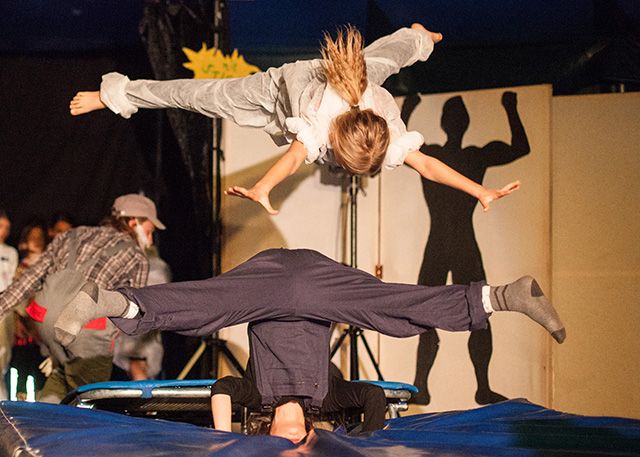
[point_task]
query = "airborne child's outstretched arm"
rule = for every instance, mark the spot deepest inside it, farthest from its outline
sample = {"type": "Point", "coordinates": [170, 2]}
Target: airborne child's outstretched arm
{"type": "Point", "coordinates": [286, 165]}
{"type": "Point", "coordinates": [434, 170]}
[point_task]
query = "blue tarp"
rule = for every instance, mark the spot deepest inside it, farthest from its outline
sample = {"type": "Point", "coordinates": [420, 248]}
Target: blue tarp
{"type": "Point", "coordinates": [512, 428]}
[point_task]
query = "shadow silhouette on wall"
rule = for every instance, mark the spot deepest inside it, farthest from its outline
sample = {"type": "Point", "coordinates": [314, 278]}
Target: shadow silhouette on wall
{"type": "Point", "coordinates": [452, 246]}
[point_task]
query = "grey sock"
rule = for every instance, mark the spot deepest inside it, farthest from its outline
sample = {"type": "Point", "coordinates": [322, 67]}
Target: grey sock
{"type": "Point", "coordinates": [526, 296]}
{"type": "Point", "coordinates": [90, 303]}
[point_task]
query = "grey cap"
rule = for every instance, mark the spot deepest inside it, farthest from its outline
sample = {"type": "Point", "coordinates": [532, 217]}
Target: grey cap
{"type": "Point", "coordinates": [136, 205]}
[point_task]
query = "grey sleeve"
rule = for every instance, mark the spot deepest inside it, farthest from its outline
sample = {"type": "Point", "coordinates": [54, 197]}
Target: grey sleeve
{"type": "Point", "coordinates": [247, 101]}
{"type": "Point", "coordinates": [125, 97]}
{"type": "Point", "coordinates": [387, 55]}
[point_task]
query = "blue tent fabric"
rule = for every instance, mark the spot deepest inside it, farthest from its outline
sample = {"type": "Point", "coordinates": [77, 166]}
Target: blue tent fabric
{"type": "Point", "coordinates": [511, 428]}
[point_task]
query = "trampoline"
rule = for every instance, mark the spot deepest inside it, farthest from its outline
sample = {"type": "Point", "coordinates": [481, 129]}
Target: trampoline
{"type": "Point", "coordinates": [188, 400]}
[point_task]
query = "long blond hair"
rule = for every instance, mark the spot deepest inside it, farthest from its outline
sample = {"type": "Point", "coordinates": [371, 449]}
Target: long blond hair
{"type": "Point", "coordinates": [359, 138]}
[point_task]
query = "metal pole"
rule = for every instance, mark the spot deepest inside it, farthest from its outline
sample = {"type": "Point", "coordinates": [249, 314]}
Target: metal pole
{"type": "Point", "coordinates": [217, 196]}
{"type": "Point", "coordinates": [353, 353]}
{"type": "Point", "coordinates": [353, 331]}
{"type": "Point", "coordinates": [353, 194]}
{"type": "Point", "coordinates": [217, 157]}
{"type": "Point", "coordinates": [216, 187]}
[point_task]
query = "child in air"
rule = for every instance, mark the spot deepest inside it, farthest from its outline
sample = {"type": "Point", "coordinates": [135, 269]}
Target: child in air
{"type": "Point", "coordinates": [330, 110]}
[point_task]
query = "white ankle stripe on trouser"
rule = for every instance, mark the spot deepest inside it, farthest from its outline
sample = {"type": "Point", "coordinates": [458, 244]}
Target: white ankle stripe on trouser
{"type": "Point", "coordinates": [132, 311]}
{"type": "Point", "coordinates": [486, 299]}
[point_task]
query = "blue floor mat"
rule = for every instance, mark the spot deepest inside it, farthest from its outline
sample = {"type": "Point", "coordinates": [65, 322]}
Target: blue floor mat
{"type": "Point", "coordinates": [511, 428]}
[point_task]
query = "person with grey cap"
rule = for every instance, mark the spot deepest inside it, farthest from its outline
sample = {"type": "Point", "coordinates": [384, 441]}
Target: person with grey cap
{"type": "Point", "coordinates": [112, 255]}
{"type": "Point", "coordinates": [139, 213]}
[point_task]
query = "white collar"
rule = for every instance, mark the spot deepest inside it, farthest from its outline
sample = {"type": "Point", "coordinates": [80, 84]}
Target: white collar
{"type": "Point", "coordinates": [333, 104]}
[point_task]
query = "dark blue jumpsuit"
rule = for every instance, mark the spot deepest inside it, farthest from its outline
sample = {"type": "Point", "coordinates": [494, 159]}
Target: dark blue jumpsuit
{"type": "Point", "coordinates": [303, 284]}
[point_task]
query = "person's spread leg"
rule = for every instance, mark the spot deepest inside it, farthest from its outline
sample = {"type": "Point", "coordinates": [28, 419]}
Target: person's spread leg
{"type": "Point", "coordinates": [526, 296]}
{"type": "Point", "coordinates": [90, 303]}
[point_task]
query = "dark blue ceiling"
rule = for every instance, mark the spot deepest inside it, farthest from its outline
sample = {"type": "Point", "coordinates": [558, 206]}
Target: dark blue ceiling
{"type": "Point", "coordinates": [572, 44]}
{"type": "Point", "coordinates": [283, 25]}
{"type": "Point", "coordinates": [463, 22]}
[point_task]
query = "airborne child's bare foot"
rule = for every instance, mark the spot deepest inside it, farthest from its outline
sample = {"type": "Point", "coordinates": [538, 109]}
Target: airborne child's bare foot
{"type": "Point", "coordinates": [435, 36]}
{"type": "Point", "coordinates": [85, 102]}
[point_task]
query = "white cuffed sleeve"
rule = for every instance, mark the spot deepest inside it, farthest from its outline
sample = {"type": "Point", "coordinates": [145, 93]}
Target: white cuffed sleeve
{"type": "Point", "coordinates": [401, 146]}
{"type": "Point", "coordinates": [113, 94]}
{"type": "Point", "coordinates": [304, 133]}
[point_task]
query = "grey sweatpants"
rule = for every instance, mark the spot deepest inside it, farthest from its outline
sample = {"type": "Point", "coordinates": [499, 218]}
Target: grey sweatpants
{"type": "Point", "coordinates": [281, 283]}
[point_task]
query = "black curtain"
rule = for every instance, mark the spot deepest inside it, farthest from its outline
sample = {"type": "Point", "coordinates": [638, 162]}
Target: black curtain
{"type": "Point", "coordinates": [51, 161]}
{"type": "Point", "coordinates": [166, 28]}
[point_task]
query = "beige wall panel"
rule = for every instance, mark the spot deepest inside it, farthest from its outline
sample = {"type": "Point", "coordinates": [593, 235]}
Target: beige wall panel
{"type": "Point", "coordinates": [596, 252]}
{"type": "Point", "coordinates": [513, 237]}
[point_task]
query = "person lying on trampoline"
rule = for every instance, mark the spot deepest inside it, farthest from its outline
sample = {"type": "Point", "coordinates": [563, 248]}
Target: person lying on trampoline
{"type": "Point", "coordinates": [330, 111]}
{"type": "Point", "coordinates": [302, 284]}
{"type": "Point", "coordinates": [289, 383]}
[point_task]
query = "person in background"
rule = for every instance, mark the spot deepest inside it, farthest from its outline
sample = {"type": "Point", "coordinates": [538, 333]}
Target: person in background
{"type": "Point", "coordinates": [140, 357]}
{"type": "Point", "coordinates": [59, 223]}
{"type": "Point", "coordinates": [27, 353]}
{"type": "Point", "coordinates": [111, 255]}
{"type": "Point", "coordinates": [33, 240]}
{"type": "Point", "coordinates": [8, 265]}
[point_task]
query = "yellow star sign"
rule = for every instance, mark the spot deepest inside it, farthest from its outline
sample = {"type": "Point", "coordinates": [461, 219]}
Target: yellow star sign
{"type": "Point", "coordinates": [212, 63]}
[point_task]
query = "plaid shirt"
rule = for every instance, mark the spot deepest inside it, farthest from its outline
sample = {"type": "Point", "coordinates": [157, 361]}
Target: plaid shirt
{"type": "Point", "coordinates": [128, 267]}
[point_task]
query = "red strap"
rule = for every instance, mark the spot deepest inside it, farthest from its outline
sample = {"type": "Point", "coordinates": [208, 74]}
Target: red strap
{"type": "Point", "coordinates": [36, 311]}
{"type": "Point", "coordinates": [97, 324]}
